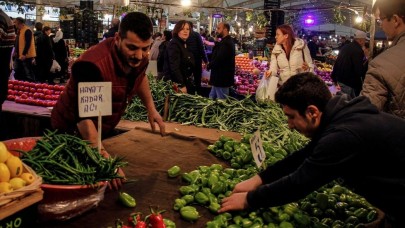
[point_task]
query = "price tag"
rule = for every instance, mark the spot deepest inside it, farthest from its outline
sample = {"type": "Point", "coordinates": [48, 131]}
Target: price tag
{"type": "Point", "coordinates": [94, 99]}
{"type": "Point", "coordinates": [256, 145]}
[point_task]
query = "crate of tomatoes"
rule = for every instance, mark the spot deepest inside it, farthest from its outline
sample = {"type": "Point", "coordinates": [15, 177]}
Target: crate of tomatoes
{"type": "Point", "coordinates": [31, 93]}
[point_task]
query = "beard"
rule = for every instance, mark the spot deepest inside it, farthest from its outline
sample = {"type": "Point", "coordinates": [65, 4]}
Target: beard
{"type": "Point", "coordinates": [219, 35]}
{"type": "Point", "coordinates": [131, 61]}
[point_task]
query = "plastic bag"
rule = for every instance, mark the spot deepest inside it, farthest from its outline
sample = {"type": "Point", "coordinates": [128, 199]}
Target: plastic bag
{"type": "Point", "coordinates": [55, 67]}
{"type": "Point", "coordinates": [267, 89]}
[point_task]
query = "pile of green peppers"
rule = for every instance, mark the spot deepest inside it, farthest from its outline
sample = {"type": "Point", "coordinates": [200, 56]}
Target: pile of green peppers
{"type": "Point", "coordinates": [239, 154]}
{"type": "Point", "coordinates": [336, 206]}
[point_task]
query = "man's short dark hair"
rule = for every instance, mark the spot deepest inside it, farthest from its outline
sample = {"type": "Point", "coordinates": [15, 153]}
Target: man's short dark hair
{"type": "Point", "coordinates": [302, 90]}
{"type": "Point", "coordinates": [38, 26]}
{"type": "Point", "coordinates": [20, 20]}
{"type": "Point", "coordinates": [390, 7]}
{"type": "Point", "coordinates": [227, 26]}
{"type": "Point", "coordinates": [46, 28]}
{"type": "Point", "coordinates": [138, 23]}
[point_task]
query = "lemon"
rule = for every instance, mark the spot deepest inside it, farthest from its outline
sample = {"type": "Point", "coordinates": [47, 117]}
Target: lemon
{"type": "Point", "coordinates": [15, 166]}
{"type": "Point", "coordinates": [4, 173]}
{"type": "Point", "coordinates": [5, 187]}
{"type": "Point", "coordinates": [4, 154]}
{"type": "Point", "coordinates": [28, 177]}
{"type": "Point", "coordinates": [17, 183]}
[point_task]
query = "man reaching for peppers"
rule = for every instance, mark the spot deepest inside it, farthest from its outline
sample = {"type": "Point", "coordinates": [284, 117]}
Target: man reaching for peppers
{"type": "Point", "coordinates": [350, 139]}
{"type": "Point", "coordinates": [121, 60]}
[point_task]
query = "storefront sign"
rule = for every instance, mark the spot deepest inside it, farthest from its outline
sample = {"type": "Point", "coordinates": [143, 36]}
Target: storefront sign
{"type": "Point", "coordinates": [256, 145]}
{"type": "Point", "coordinates": [94, 99]}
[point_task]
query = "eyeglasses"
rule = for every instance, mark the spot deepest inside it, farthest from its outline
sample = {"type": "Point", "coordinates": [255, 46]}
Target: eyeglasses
{"type": "Point", "coordinates": [380, 20]}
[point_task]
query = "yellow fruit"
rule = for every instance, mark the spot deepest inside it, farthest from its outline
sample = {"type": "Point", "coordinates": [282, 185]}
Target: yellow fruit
{"type": "Point", "coordinates": [4, 173]}
{"type": "Point", "coordinates": [28, 178]}
{"type": "Point", "coordinates": [5, 187]}
{"type": "Point", "coordinates": [4, 154]}
{"type": "Point", "coordinates": [15, 166]}
{"type": "Point", "coordinates": [17, 183]}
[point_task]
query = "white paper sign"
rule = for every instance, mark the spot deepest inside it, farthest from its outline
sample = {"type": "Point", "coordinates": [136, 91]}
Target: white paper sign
{"type": "Point", "coordinates": [94, 98]}
{"type": "Point", "coordinates": [256, 145]}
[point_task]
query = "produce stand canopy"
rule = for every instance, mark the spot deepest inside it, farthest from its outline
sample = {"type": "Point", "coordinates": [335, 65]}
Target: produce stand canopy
{"type": "Point", "coordinates": [150, 156]}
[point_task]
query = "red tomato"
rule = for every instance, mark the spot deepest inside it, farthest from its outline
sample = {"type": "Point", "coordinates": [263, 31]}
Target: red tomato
{"type": "Point", "coordinates": [24, 96]}
{"type": "Point", "coordinates": [57, 92]}
{"type": "Point", "coordinates": [32, 90]}
{"type": "Point", "coordinates": [40, 90]}
{"type": "Point", "coordinates": [51, 87]}
{"type": "Point", "coordinates": [11, 82]}
{"type": "Point", "coordinates": [44, 85]}
{"type": "Point", "coordinates": [10, 86]}
{"type": "Point", "coordinates": [21, 88]}
{"type": "Point", "coordinates": [26, 89]}
{"type": "Point", "coordinates": [16, 87]}
{"type": "Point", "coordinates": [42, 96]}
{"type": "Point", "coordinates": [37, 85]}
{"type": "Point", "coordinates": [48, 97]}
{"type": "Point", "coordinates": [32, 84]}
{"type": "Point", "coordinates": [48, 92]}
{"type": "Point", "coordinates": [20, 93]}
{"type": "Point", "coordinates": [10, 97]}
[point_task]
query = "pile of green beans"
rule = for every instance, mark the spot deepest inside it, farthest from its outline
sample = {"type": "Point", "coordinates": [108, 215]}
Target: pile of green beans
{"type": "Point", "coordinates": [243, 116]}
{"type": "Point", "coordinates": [136, 111]}
{"type": "Point", "coordinates": [67, 159]}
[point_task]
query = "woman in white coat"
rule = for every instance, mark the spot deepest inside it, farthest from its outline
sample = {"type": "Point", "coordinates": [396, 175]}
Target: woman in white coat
{"type": "Point", "coordinates": [290, 55]}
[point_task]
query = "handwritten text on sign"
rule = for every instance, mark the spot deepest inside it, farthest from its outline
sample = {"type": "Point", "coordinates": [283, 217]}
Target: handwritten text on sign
{"type": "Point", "coordinates": [94, 98]}
{"type": "Point", "coordinates": [256, 145]}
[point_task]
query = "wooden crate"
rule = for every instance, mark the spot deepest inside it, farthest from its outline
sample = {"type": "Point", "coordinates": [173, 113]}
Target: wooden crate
{"type": "Point", "coordinates": [20, 204]}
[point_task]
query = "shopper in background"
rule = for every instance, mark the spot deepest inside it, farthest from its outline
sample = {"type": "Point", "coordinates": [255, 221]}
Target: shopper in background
{"type": "Point", "coordinates": [290, 55]}
{"type": "Point", "coordinates": [349, 69]}
{"type": "Point", "coordinates": [196, 47]}
{"type": "Point", "coordinates": [61, 54]}
{"type": "Point", "coordinates": [313, 47]}
{"type": "Point", "coordinates": [154, 50]}
{"type": "Point", "coordinates": [115, 24]}
{"type": "Point", "coordinates": [24, 51]}
{"type": "Point", "coordinates": [44, 57]}
{"type": "Point", "coordinates": [178, 63]}
{"type": "Point", "coordinates": [7, 40]}
{"type": "Point", "coordinates": [121, 61]}
{"type": "Point", "coordinates": [385, 79]}
{"type": "Point", "coordinates": [38, 31]}
{"type": "Point", "coordinates": [167, 36]}
{"type": "Point", "coordinates": [343, 41]}
{"type": "Point", "coordinates": [350, 139]}
{"type": "Point", "coordinates": [222, 63]}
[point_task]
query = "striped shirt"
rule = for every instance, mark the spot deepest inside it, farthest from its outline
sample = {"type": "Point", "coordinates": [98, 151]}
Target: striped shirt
{"type": "Point", "coordinates": [7, 31]}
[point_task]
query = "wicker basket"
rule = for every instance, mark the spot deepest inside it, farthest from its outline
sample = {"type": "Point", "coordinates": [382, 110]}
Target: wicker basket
{"type": "Point", "coordinates": [6, 198]}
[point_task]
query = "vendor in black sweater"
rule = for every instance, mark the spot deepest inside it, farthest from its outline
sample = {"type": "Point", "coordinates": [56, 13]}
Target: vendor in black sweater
{"type": "Point", "coordinates": [350, 139]}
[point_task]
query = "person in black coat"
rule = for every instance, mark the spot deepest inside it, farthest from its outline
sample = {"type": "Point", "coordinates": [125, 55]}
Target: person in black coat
{"type": "Point", "coordinates": [350, 140]}
{"type": "Point", "coordinates": [222, 64]}
{"type": "Point", "coordinates": [349, 69]}
{"type": "Point", "coordinates": [179, 62]}
{"type": "Point", "coordinates": [115, 24]}
{"type": "Point", "coordinates": [167, 36]}
{"type": "Point", "coordinates": [61, 53]}
{"type": "Point", "coordinates": [196, 47]}
{"type": "Point", "coordinates": [44, 56]}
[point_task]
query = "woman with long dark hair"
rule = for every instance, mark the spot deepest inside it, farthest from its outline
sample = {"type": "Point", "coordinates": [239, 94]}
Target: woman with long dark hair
{"type": "Point", "coordinates": [178, 61]}
{"type": "Point", "coordinates": [290, 55]}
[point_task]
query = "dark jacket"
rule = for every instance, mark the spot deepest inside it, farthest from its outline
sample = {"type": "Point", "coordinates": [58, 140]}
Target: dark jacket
{"type": "Point", "coordinates": [161, 55]}
{"type": "Point", "coordinates": [111, 32]}
{"type": "Point", "coordinates": [196, 47]}
{"type": "Point", "coordinates": [349, 68]}
{"type": "Point", "coordinates": [178, 62]}
{"type": "Point", "coordinates": [313, 48]}
{"type": "Point", "coordinates": [101, 63]}
{"type": "Point", "coordinates": [355, 142]}
{"type": "Point", "coordinates": [61, 53]}
{"type": "Point", "coordinates": [222, 63]}
{"type": "Point", "coordinates": [44, 49]}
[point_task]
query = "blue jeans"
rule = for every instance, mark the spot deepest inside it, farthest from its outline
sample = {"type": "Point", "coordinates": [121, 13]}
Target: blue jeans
{"type": "Point", "coordinates": [219, 92]}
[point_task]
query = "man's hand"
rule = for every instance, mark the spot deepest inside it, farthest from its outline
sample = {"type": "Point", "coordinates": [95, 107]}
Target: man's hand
{"type": "Point", "coordinates": [236, 201]}
{"type": "Point", "coordinates": [115, 184]}
{"type": "Point", "coordinates": [23, 57]}
{"type": "Point", "coordinates": [154, 116]}
{"type": "Point", "coordinates": [248, 185]}
{"type": "Point", "coordinates": [183, 89]}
